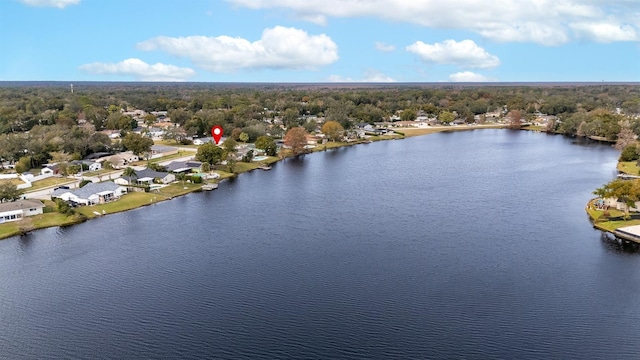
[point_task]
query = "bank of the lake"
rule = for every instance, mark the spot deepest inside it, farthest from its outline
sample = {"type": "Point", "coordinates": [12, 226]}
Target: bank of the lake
{"type": "Point", "coordinates": [135, 200]}
{"type": "Point", "coordinates": [609, 220]}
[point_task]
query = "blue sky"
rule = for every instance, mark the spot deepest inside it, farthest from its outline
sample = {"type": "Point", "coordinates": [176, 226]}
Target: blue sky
{"type": "Point", "coordinates": [320, 41]}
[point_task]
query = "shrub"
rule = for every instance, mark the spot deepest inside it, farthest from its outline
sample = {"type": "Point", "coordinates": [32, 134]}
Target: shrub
{"type": "Point", "coordinates": [64, 207]}
{"type": "Point", "coordinates": [629, 153]}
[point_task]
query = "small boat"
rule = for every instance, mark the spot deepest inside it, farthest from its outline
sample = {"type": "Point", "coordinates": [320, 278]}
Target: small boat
{"type": "Point", "coordinates": [264, 167]}
{"type": "Point", "coordinates": [209, 187]}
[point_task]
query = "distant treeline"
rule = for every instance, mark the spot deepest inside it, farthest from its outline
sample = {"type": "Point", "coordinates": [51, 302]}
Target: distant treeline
{"type": "Point", "coordinates": [595, 110]}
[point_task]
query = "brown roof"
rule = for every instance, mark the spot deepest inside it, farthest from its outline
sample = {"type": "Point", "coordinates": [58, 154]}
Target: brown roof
{"type": "Point", "coordinates": [20, 205]}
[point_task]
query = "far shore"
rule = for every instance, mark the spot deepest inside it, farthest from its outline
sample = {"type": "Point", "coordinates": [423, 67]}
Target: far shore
{"type": "Point", "coordinates": [51, 218]}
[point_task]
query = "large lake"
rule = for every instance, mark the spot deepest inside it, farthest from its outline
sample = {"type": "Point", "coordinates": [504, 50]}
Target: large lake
{"type": "Point", "coordinates": [453, 245]}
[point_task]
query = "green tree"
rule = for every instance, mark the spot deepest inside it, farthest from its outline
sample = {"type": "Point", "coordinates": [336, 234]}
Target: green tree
{"type": "Point", "coordinates": [137, 143]}
{"type": "Point", "coordinates": [229, 145]}
{"type": "Point", "coordinates": [626, 191]}
{"type": "Point", "coordinates": [150, 119]}
{"type": "Point", "coordinates": [629, 153]}
{"type": "Point", "coordinates": [296, 139]}
{"type": "Point", "coordinates": [206, 167]}
{"type": "Point", "coordinates": [129, 172]}
{"type": "Point", "coordinates": [209, 153]}
{"type": "Point", "coordinates": [23, 165]}
{"type": "Point", "coordinates": [290, 118]}
{"type": "Point", "coordinates": [63, 207]}
{"type": "Point", "coordinates": [244, 137]}
{"type": "Point", "coordinates": [267, 144]}
{"type": "Point", "coordinates": [408, 115]}
{"type": "Point", "coordinates": [9, 191]}
{"type": "Point", "coordinates": [333, 130]}
{"type": "Point", "coordinates": [446, 117]}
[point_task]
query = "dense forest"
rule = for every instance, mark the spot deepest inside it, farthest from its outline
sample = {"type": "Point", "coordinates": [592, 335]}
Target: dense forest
{"type": "Point", "coordinates": [40, 119]}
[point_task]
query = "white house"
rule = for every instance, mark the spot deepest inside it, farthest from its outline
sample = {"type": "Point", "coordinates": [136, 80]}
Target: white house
{"type": "Point", "coordinates": [146, 177]}
{"type": "Point", "coordinates": [121, 159]}
{"type": "Point", "coordinates": [202, 141]}
{"type": "Point", "coordinates": [16, 210]}
{"type": "Point", "coordinates": [92, 193]}
{"type": "Point", "coordinates": [90, 165]}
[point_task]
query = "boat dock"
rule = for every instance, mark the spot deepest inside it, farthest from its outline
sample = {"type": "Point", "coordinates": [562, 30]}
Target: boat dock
{"type": "Point", "coordinates": [629, 233]}
{"type": "Point", "coordinates": [209, 187]}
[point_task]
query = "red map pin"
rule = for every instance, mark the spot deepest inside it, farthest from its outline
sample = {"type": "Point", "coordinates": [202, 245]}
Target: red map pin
{"type": "Point", "coordinates": [216, 132]}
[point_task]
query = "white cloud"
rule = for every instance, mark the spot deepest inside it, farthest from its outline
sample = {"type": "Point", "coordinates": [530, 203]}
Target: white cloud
{"type": "Point", "coordinates": [380, 46]}
{"type": "Point", "coordinates": [60, 4]}
{"type": "Point", "coordinates": [316, 19]}
{"type": "Point", "coordinates": [140, 70]}
{"type": "Point", "coordinates": [605, 32]}
{"type": "Point", "coordinates": [278, 48]}
{"type": "Point", "coordinates": [372, 76]}
{"type": "Point", "coordinates": [468, 76]}
{"type": "Point", "coordinates": [546, 22]}
{"type": "Point", "coordinates": [465, 53]}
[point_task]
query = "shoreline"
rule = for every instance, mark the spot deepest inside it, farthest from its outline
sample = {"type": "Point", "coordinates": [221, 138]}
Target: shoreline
{"type": "Point", "coordinates": [86, 213]}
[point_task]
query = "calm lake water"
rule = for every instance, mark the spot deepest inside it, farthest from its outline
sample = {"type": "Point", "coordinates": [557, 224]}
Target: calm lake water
{"type": "Point", "coordinates": [453, 245]}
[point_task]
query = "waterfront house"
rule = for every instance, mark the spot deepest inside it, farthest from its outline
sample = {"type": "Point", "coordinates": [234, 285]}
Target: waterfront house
{"type": "Point", "coordinates": [184, 166]}
{"type": "Point", "coordinates": [19, 209]}
{"type": "Point", "coordinates": [87, 164]}
{"type": "Point", "coordinates": [146, 177]}
{"type": "Point", "coordinates": [91, 194]}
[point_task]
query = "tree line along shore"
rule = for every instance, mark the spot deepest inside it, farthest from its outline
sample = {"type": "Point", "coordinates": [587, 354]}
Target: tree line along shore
{"type": "Point", "coordinates": [44, 125]}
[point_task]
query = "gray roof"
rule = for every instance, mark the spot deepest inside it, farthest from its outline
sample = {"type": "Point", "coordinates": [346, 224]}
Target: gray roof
{"type": "Point", "coordinates": [205, 139]}
{"type": "Point", "coordinates": [150, 173]}
{"type": "Point", "coordinates": [162, 148]}
{"type": "Point", "coordinates": [86, 191]}
{"type": "Point", "coordinates": [177, 165]}
{"type": "Point", "coordinates": [20, 205]}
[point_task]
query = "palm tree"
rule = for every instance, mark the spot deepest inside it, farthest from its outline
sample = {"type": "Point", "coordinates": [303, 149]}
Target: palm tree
{"type": "Point", "coordinates": [130, 173]}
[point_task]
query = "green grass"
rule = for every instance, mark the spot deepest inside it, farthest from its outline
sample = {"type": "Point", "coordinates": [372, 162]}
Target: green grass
{"type": "Point", "coordinates": [126, 202]}
{"type": "Point", "coordinates": [534, 128]}
{"type": "Point", "coordinates": [38, 222]}
{"type": "Point", "coordinates": [177, 189]}
{"type": "Point", "coordinates": [48, 182]}
{"type": "Point", "coordinates": [408, 132]}
{"type": "Point", "coordinates": [628, 167]}
{"type": "Point", "coordinates": [180, 154]}
{"type": "Point", "coordinates": [15, 182]}
{"type": "Point", "coordinates": [601, 223]}
{"type": "Point", "coordinates": [174, 144]}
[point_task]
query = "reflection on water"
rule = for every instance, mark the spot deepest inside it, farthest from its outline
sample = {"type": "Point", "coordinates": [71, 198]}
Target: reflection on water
{"type": "Point", "coordinates": [612, 243]}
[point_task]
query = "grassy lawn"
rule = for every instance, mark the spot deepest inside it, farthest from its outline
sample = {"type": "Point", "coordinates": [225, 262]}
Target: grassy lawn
{"type": "Point", "coordinates": [534, 128]}
{"type": "Point", "coordinates": [37, 222]}
{"type": "Point", "coordinates": [628, 167]}
{"type": "Point", "coordinates": [430, 130]}
{"type": "Point", "coordinates": [612, 225]}
{"type": "Point", "coordinates": [174, 144]}
{"type": "Point", "coordinates": [609, 225]}
{"type": "Point", "coordinates": [126, 202]}
{"type": "Point", "coordinates": [241, 167]}
{"type": "Point", "coordinates": [224, 175]}
{"type": "Point", "coordinates": [48, 182]}
{"type": "Point", "coordinates": [15, 182]}
{"type": "Point", "coordinates": [180, 154]}
{"type": "Point", "coordinates": [176, 189]}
